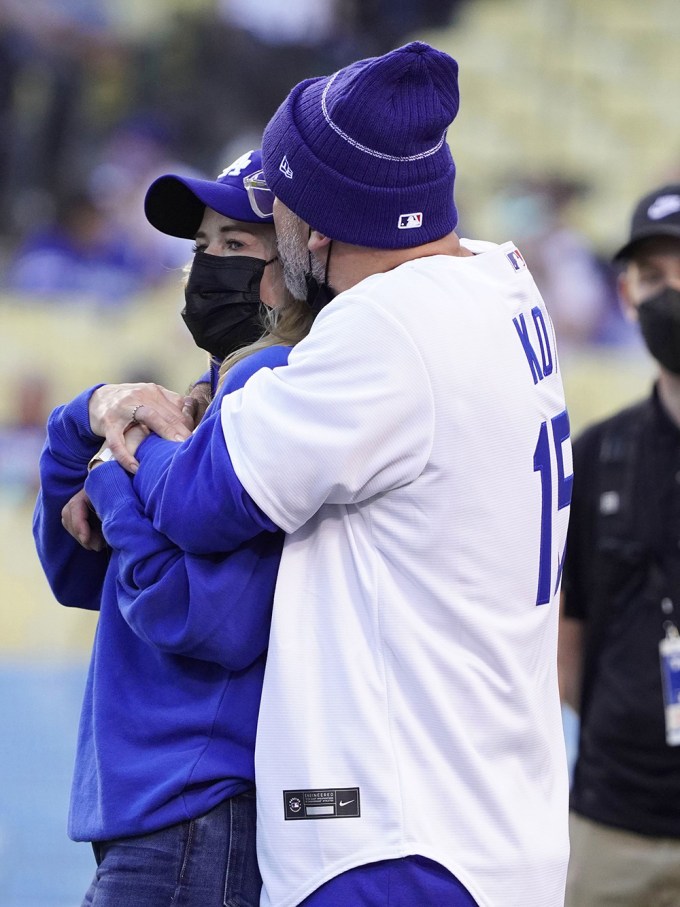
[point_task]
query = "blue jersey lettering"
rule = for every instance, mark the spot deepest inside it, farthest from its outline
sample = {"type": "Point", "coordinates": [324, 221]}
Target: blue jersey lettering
{"type": "Point", "coordinates": [532, 358]}
{"type": "Point", "coordinates": [543, 341]}
{"type": "Point", "coordinates": [539, 368]}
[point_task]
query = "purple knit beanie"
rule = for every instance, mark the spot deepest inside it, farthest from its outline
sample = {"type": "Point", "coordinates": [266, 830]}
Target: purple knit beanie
{"type": "Point", "coordinates": [362, 156]}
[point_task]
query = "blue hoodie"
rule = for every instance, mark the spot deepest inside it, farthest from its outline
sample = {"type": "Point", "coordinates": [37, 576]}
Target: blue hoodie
{"type": "Point", "coordinates": [167, 728]}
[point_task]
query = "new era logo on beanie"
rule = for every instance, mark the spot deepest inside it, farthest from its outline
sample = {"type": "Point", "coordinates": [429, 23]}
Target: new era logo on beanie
{"type": "Point", "coordinates": [284, 167]}
{"type": "Point", "coordinates": [365, 152]}
{"type": "Point", "coordinates": [657, 214]}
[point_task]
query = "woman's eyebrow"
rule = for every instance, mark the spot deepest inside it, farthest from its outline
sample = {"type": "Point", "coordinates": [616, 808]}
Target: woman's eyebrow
{"type": "Point", "coordinates": [223, 231]}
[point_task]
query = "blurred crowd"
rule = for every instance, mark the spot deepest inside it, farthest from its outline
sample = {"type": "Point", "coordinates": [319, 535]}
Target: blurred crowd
{"type": "Point", "coordinates": [91, 113]}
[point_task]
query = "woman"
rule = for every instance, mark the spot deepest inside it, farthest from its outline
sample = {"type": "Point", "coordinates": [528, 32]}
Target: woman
{"type": "Point", "coordinates": [163, 783]}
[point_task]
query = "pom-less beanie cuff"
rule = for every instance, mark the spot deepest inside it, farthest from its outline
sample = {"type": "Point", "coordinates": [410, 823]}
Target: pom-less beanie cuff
{"type": "Point", "coordinates": [362, 155]}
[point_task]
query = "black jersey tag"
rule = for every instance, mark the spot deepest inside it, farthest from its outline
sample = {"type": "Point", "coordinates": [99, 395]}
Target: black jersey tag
{"type": "Point", "coordinates": [324, 803]}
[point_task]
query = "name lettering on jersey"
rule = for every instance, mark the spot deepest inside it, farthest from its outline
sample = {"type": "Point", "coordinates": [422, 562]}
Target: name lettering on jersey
{"type": "Point", "coordinates": [539, 339]}
{"type": "Point", "coordinates": [328, 803]}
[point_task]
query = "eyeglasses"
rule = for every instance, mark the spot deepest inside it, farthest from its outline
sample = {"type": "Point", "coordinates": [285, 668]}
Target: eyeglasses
{"type": "Point", "coordinates": [260, 196]}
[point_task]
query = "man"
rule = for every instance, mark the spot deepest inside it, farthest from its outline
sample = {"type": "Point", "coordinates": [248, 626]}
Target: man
{"type": "Point", "coordinates": [620, 607]}
{"type": "Point", "coordinates": [416, 452]}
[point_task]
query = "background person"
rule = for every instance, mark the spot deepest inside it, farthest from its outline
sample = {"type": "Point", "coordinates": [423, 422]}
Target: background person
{"type": "Point", "coordinates": [621, 578]}
{"type": "Point", "coordinates": [416, 452]}
{"type": "Point", "coordinates": [81, 255]}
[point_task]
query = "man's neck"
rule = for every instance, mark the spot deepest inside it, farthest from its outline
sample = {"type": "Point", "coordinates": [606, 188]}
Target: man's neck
{"type": "Point", "coordinates": [352, 264]}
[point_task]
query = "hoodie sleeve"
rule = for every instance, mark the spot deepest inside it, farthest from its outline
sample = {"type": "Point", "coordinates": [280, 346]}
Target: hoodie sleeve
{"type": "Point", "coordinates": [74, 574]}
{"type": "Point", "coordinates": [190, 512]}
{"type": "Point", "coordinates": [214, 608]}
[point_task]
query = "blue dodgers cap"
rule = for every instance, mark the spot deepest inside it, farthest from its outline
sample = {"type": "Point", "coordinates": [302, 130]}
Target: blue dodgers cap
{"type": "Point", "coordinates": [175, 204]}
{"type": "Point", "coordinates": [362, 155]}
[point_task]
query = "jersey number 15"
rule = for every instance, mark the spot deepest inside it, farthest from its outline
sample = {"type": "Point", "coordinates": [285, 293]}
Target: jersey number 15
{"type": "Point", "coordinates": [543, 464]}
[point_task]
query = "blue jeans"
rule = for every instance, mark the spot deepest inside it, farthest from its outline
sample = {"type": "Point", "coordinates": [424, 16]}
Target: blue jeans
{"type": "Point", "coordinates": [206, 862]}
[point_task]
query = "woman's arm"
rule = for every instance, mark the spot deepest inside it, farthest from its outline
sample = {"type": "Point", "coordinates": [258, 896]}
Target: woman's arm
{"type": "Point", "coordinates": [215, 608]}
{"type": "Point", "coordinates": [75, 574]}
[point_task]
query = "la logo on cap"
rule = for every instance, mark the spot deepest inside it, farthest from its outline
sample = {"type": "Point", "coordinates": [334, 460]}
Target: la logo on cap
{"type": "Point", "coordinates": [663, 206]}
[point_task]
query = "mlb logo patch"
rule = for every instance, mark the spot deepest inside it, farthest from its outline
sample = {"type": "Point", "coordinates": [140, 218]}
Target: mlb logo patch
{"type": "Point", "coordinates": [516, 260]}
{"type": "Point", "coordinates": [410, 221]}
{"type": "Point", "coordinates": [285, 168]}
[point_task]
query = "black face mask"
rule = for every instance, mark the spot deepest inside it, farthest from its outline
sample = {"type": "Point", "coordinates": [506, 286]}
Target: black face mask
{"type": "Point", "coordinates": [319, 294]}
{"type": "Point", "coordinates": [222, 297]}
{"type": "Point", "coordinates": [660, 325]}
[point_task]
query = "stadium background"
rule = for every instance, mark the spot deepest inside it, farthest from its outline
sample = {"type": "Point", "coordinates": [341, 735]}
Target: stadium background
{"type": "Point", "coordinates": [586, 91]}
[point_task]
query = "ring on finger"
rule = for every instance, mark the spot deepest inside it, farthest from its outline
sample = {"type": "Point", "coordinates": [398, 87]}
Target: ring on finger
{"type": "Point", "coordinates": [134, 414]}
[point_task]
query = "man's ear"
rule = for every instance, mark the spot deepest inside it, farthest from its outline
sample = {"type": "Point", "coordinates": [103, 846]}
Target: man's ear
{"type": "Point", "coordinates": [628, 307]}
{"type": "Point", "coordinates": [317, 241]}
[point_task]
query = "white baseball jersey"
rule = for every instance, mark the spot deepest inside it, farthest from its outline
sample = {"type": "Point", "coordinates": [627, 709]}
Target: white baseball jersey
{"type": "Point", "coordinates": [416, 451]}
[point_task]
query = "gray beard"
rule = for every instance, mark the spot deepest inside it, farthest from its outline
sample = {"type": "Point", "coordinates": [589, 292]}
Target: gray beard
{"type": "Point", "coordinates": [295, 258]}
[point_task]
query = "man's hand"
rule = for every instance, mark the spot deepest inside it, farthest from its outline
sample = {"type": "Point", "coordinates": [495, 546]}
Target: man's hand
{"type": "Point", "coordinates": [80, 520]}
{"type": "Point", "coordinates": [115, 407]}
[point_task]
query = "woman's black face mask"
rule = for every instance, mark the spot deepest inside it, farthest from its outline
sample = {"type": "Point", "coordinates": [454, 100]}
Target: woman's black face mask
{"type": "Point", "coordinates": [222, 297]}
{"type": "Point", "coordinates": [659, 319]}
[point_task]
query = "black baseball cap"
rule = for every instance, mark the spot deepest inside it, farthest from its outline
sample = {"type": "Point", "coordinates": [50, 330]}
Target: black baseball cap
{"type": "Point", "coordinates": [657, 214]}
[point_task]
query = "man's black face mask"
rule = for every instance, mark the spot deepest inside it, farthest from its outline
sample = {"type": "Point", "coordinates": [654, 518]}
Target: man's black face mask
{"type": "Point", "coordinates": [659, 318]}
